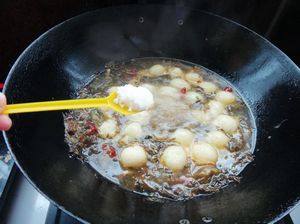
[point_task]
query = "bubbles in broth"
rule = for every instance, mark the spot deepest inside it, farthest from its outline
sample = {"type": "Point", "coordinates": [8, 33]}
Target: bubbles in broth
{"type": "Point", "coordinates": [195, 140]}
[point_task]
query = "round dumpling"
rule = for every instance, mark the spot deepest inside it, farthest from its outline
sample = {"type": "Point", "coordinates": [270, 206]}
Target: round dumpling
{"type": "Point", "coordinates": [201, 116]}
{"type": "Point", "coordinates": [226, 123]}
{"type": "Point", "coordinates": [169, 91]}
{"type": "Point", "coordinates": [217, 139]}
{"type": "Point", "coordinates": [208, 87]}
{"type": "Point", "coordinates": [180, 83]}
{"type": "Point", "coordinates": [133, 157]}
{"type": "Point", "coordinates": [107, 112]}
{"type": "Point", "coordinates": [215, 108]}
{"type": "Point", "coordinates": [175, 72]}
{"type": "Point", "coordinates": [183, 137]}
{"type": "Point", "coordinates": [174, 157]}
{"type": "Point", "coordinates": [192, 97]}
{"type": "Point", "coordinates": [108, 129]}
{"type": "Point", "coordinates": [142, 118]}
{"type": "Point", "coordinates": [204, 154]}
{"type": "Point", "coordinates": [133, 130]}
{"type": "Point", "coordinates": [126, 140]}
{"type": "Point", "coordinates": [225, 97]}
{"type": "Point", "coordinates": [157, 70]}
{"type": "Point", "coordinates": [144, 72]}
{"type": "Point", "coordinates": [150, 87]}
{"type": "Point", "coordinates": [193, 78]}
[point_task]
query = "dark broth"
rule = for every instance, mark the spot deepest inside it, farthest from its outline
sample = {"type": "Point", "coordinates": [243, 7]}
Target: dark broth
{"type": "Point", "coordinates": [82, 134]}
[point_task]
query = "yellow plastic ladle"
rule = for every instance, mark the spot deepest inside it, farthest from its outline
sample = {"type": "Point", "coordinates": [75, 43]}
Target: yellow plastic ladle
{"type": "Point", "coordinates": [69, 105]}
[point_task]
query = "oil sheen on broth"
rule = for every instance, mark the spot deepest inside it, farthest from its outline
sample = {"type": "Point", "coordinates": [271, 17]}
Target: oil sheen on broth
{"type": "Point", "coordinates": [195, 140]}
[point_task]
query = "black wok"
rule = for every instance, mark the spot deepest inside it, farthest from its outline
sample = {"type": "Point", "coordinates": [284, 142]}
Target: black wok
{"type": "Point", "coordinates": [64, 58]}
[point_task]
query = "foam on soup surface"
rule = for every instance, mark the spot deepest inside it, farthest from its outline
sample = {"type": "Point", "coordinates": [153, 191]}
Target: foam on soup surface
{"type": "Point", "coordinates": [195, 139]}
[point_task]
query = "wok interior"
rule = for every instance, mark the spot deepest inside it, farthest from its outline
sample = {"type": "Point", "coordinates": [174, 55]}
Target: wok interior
{"type": "Point", "coordinates": [64, 59]}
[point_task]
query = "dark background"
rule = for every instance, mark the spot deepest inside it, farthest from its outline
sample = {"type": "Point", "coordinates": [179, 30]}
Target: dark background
{"type": "Point", "coordinates": [22, 21]}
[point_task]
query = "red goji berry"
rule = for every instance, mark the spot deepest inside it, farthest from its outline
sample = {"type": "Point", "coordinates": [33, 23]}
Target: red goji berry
{"type": "Point", "coordinates": [112, 152]}
{"type": "Point", "coordinates": [183, 90]}
{"type": "Point", "coordinates": [104, 146]}
{"type": "Point", "coordinates": [81, 138]}
{"type": "Point", "coordinates": [92, 128]}
{"type": "Point", "coordinates": [228, 89]}
{"type": "Point", "coordinates": [133, 72]}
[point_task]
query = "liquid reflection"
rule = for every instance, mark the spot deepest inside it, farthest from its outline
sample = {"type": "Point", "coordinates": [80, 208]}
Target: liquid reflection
{"type": "Point", "coordinates": [261, 75]}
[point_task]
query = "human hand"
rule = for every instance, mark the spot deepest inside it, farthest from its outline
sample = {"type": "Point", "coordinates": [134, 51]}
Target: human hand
{"type": "Point", "coordinates": [5, 121]}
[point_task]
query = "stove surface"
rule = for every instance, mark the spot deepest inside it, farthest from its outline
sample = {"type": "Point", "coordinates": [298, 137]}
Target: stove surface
{"type": "Point", "coordinates": [24, 204]}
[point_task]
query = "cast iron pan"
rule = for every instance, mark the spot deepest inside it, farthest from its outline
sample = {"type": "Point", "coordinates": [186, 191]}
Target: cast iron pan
{"type": "Point", "coordinates": [64, 58]}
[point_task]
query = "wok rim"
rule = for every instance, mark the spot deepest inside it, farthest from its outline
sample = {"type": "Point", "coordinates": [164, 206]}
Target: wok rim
{"type": "Point", "coordinates": [292, 204]}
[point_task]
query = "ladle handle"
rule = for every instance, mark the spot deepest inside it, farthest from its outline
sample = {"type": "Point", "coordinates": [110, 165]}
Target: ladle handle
{"type": "Point", "coordinates": [55, 105]}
